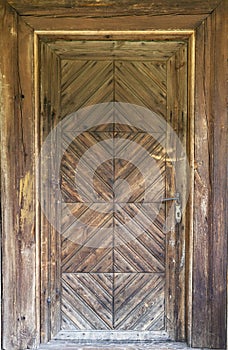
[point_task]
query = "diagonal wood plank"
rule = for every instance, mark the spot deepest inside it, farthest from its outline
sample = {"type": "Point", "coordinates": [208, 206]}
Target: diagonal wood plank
{"type": "Point", "coordinates": [140, 161]}
{"type": "Point", "coordinates": [85, 83]}
{"type": "Point", "coordinates": [87, 301]}
{"type": "Point", "coordinates": [87, 237]}
{"type": "Point", "coordinates": [139, 301]}
{"type": "Point", "coordinates": [139, 240]}
{"type": "Point", "coordinates": [141, 83]}
{"type": "Point", "coordinates": [76, 184]}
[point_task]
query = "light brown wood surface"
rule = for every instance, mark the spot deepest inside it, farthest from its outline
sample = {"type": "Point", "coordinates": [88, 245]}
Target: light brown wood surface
{"type": "Point", "coordinates": [116, 50]}
{"type": "Point", "coordinates": [110, 7]}
{"type": "Point", "coordinates": [20, 251]}
{"type": "Point", "coordinates": [18, 182]}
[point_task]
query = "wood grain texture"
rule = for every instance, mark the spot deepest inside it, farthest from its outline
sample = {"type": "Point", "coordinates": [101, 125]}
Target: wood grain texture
{"type": "Point", "coordinates": [210, 240]}
{"type": "Point", "coordinates": [85, 83]}
{"type": "Point", "coordinates": [17, 183]}
{"type": "Point", "coordinates": [139, 301]}
{"type": "Point", "coordinates": [152, 344]}
{"type": "Point", "coordinates": [115, 50]}
{"type": "Point", "coordinates": [50, 239]}
{"type": "Point", "coordinates": [177, 116]}
{"type": "Point", "coordinates": [132, 242]}
{"type": "Point", "coordinates": [28, 334]}
{"type": "Point", "coordinates": [209, 257]}
{"type": "Point", "coordinates": [139, 239]}
{"type": "Point", "coordinates": [87, 242]}
{"type": "Point", "coordinates": [151, 77]}
{"type": "Point", "coordinates": [8, 178]}
{"type": "Point", "coordinates": [87, 301]}
{"type": "Point", "coordinates": [110, 7]}
{"type": "Point", "coordinates": [102, 176]}
{"type": "Point", "coordinates": [160, 22]}
{"type": "Point", "coordinates": [166, 35]}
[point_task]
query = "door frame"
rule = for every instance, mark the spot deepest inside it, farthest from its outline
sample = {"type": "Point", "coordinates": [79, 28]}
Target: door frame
{"type": "Point", "coordinates": [20, 310]}
{"type": "Point", "coordinates": [44, 82]}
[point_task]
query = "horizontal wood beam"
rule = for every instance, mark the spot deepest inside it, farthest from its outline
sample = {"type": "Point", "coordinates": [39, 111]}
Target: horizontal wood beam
{"type": "Point", "coordinates": [113, 7]}
{"type": "Point", "coordinates": [117, 50]}
{"type": "Point", "coordinates": [168, 22]}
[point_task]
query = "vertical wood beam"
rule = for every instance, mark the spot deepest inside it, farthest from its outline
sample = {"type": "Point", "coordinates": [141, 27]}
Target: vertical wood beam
{"type": "Point", "coordinates": [25, 139]}
{"type": "Point", "coordinates": [177, 116]}
{"type": "Point", "coordinates": [210, 236]}
{"type": "Point", "coordinates": [18, 195]}
{"type": "Point", "coordinates": [49, 109]}
{"type": "Point", "coordinates": [8, 77]}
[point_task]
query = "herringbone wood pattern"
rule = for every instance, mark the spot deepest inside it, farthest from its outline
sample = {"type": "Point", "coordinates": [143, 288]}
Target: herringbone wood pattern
{"type": "Point", "coordinates": [113, 249]}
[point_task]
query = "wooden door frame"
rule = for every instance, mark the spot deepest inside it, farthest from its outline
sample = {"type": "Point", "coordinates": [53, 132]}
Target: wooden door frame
{"type": "Point", "coordinates": [48, 80]}
{"type": "Point", "coordinates": [20, 309]}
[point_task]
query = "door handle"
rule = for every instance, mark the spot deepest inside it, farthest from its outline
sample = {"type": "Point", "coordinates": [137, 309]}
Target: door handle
{"type": "Point", "coordinates": [178, 215]}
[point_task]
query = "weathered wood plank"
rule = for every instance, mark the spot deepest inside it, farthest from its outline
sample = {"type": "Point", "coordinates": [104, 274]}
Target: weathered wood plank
{"type": "Point", "coordinates": [55, 243]}
{"type": "Point", "coordinates": [117, 50]}
{"type": "Point", "coordinates": [110, 7]}
{"type": "Point", "coordinates": [18, 216]}
{"type": "Point", "coordinates": [117, 35]}
{"type": "Point", "coordinates": [85, 83]}
{"type": "Point", "coordinates": [176, 238]}
{"type": "Point", "coordinates": [177, 22]}
{"type": "Point", "coordinates": [28, 334]}
{"type": "Point", "coordinates": [141, 83]}
{"type": "Point", "coordinates": [210, 240]}
{"type": "Point", "coordinates": [8, 71]}
{"type": "Point", "coordinates": [50, 239]}
{"type": "Point", "coordinates": [219, 176]}
{"type": "Point", "coordinates": [154, 342]}
{"type": "Point", "coordinates": [139, 301]}
{"type": "Point", "coordinates": [87, 301]}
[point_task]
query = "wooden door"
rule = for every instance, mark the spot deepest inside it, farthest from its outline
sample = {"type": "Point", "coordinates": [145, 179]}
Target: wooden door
{"type": "Point", "coordinates": [114, 275]}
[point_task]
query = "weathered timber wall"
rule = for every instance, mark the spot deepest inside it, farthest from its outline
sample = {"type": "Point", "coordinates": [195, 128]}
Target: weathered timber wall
{"type": "Point", "coordinates": [210, 231]}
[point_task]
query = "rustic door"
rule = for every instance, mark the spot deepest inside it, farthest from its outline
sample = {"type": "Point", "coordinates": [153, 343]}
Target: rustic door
{"type": "Point", "coordinates": [114, 251]}
{"type": "Point", "coordinates": [118, 264]}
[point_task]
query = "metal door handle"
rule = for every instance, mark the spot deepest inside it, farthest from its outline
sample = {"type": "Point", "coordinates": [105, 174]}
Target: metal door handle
{"type": "Point", "coordinates": [178, 214]}
{"type": "Point", "coordinates": [177, 198]}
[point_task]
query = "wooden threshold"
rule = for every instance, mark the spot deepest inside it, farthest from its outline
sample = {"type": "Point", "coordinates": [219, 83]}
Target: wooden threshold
{"type": "Point", "coordinates": [115, 336]}
{"type": "Point", "coordinates": [155, 345]}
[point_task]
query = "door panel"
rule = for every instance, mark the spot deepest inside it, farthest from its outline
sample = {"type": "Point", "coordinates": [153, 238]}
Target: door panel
{"type": "Point", "coordinates": [141, 83]}
{"type": "Point", "coordinates": [139, 301]}
{"type": "Point", "coordinates": [139, 240]}
{"type": "Point", "coordinates": [87, 301]}
{"type": "Point", "coordinates": [114, 272]}
{"type": "Point", "coordinates": [85, 83]}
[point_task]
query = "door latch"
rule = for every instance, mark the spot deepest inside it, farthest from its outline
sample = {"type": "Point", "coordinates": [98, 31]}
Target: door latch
{"type": "Point", "coordinates": [178, 215]}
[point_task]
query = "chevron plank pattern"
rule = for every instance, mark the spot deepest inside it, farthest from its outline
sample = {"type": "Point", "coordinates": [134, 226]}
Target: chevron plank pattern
{"type": "Point", "coordinates": [113, 244]}
{"type": "Point", "coordinates": [87, 301]}
{"type": "Point", "coordinates": [138, 301]}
